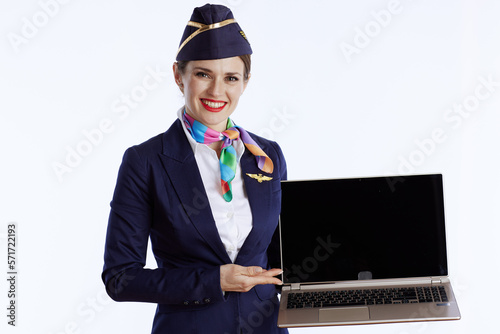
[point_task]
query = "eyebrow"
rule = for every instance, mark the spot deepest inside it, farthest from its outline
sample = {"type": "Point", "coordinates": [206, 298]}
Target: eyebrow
{"type": "Point", "coordinates": [210, 71]}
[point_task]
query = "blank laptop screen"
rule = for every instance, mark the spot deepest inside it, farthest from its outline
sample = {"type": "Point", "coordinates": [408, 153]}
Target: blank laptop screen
{"type": "Point", "coordinates": [362, 228]}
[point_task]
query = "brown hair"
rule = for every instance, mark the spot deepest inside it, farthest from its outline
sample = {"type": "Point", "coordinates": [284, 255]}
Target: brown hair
{"type": "Point", "coordinates": [247, 62]}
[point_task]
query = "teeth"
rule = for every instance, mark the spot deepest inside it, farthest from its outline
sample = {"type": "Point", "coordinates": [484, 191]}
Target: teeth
{"type": "Point", "coordinates": [214, 104]}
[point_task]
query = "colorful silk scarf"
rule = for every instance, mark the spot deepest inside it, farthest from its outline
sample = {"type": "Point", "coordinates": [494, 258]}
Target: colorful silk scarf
{"type": "Point", "coordinates": [228, 161]}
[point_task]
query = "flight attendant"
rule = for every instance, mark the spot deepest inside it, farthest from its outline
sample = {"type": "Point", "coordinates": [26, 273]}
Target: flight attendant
{"type": "Point", "coordinates": [207, 194]}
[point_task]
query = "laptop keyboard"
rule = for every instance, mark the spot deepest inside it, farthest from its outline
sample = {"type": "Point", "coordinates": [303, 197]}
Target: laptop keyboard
{"type": "Point", "coordinates": [367, 297]}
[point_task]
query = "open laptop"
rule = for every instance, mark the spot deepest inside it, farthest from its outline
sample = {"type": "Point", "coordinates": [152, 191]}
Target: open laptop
{"type": "Point", "coordinates": [364, 251]}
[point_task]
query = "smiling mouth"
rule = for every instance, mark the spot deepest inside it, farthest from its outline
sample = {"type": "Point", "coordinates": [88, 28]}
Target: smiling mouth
{"type": "Point", "coordinates": [212, 105]}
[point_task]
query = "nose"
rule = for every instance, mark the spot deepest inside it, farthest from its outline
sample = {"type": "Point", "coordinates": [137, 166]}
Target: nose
{"type": "Point", "coordinates": [216, 88]}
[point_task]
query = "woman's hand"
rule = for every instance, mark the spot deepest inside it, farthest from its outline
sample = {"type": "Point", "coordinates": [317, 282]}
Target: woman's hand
{"type": "Point", "coordinates": [241, 279]}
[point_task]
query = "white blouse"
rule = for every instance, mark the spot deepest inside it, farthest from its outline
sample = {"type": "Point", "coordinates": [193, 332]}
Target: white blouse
{"type": "Point", "coordinates": [233, 219]}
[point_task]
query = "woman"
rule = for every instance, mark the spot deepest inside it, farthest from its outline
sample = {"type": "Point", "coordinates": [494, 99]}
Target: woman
{"type": "Point", "coordinates": [207, 194]}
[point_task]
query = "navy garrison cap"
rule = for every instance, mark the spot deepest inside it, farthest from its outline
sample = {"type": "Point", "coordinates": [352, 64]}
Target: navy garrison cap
{"type": "Point", "coordinates": [212, 33]}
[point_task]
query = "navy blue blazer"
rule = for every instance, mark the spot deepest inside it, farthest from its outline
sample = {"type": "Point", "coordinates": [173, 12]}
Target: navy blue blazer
{"type": "Point", "coordinates": [160, 195]}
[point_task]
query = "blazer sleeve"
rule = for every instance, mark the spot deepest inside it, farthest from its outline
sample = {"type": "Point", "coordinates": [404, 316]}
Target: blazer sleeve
{"type": "Point", "coordinates": [129, 225]}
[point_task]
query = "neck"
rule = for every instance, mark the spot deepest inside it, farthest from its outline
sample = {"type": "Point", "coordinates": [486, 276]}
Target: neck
{"type": "Point", "coordinates": [221, 127]}
{"type": "Point", "coordinates": [217, 147]}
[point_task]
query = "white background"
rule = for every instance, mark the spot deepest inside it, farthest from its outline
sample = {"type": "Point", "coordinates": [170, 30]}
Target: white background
{"type": "Point", "coordinates": [370, 110]}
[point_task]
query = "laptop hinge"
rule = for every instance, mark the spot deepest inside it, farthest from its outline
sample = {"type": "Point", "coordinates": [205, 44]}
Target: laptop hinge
{"type": "Point", "coordinates": [436, 280]}
{"type": "Point", "coordinates": [295, 286]}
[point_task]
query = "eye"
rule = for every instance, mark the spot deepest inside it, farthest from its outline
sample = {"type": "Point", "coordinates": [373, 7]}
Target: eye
{"type": "Point", "coordinates": [201, 74]}
{"type": "Point", "coordinates": [232, 78]}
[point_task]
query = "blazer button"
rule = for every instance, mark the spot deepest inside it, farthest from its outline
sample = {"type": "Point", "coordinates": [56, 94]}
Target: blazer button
{"type": "Point", "coordinates": [186, 302]}
{"type": "Point", "coordinates": [206, 300]}
{"type": "Point", "coordinates": [197, 302]}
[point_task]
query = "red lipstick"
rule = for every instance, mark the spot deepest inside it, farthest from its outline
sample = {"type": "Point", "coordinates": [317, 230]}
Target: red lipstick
{"type": "Point", "coordinates": [213, 105]}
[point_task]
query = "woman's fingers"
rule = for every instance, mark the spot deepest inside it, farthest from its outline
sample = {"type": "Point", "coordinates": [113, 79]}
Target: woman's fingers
{"type": "Point", "coordinates": [241, 279]}
{"type": "Point", "coordinates": [272, 272]}
{"type": "Point", "coordinates": [252, 271]}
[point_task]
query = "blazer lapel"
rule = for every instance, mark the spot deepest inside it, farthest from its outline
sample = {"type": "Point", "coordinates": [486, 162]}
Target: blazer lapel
{"type": "Point", "coordinates": [258, 196]}
{"type": "Point", "coordinates": [180, 165]}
